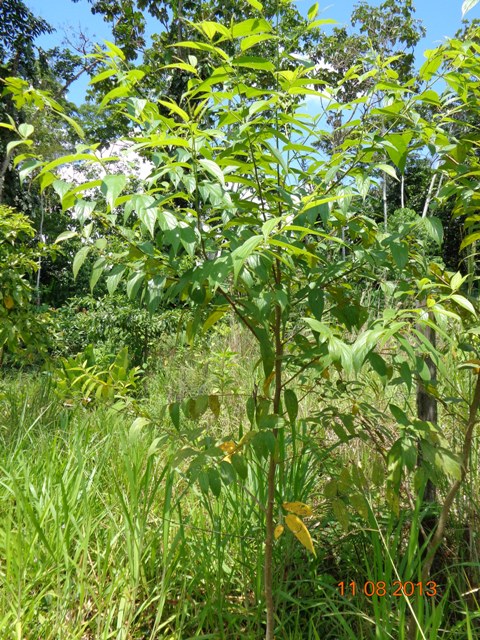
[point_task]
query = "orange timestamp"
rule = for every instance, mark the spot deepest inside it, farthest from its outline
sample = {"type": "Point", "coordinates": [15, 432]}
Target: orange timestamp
{"type": "Point", "coordinates": [382, 588]}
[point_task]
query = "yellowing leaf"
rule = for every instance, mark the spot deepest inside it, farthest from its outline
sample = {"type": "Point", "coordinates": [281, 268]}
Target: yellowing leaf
{"type": "Point", "coordinates": [229, 446]}
{"type": "Point", "coordinates": [299, 508]}
{"type": "Point", "coordinates": [8, 302]}
{"type": "Point", "coordinates": [279, 529]}
{"type": "Point", "coordinates": [300, 531]}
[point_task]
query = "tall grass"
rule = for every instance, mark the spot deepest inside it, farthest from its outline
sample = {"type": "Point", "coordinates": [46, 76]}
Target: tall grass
{"type": "Point", "coordinates": [102, 534]}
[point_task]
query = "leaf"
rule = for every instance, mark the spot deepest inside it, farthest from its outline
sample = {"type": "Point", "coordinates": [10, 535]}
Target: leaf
{"type": "Point", "coordinates": [386, 168]}
{"type": "Point", "coordinates": [134, 284]}
{"type": "Point", "coordinates": [137, 426]}
{"type": "Point", "coordinates": [213, 168]}
{"type": "Point", "coordinates": [214, 481]}
{"type": "Point", "coordinates": [320, 23]}
{"type": "Point", "coordinates": [174, 412]}
{"type": "Point", "coordinates": [114, 277]}
{"type": "Point", "coordinates": [113, 51]}
{"type": "Point", "coordinates": [230, 446]}
{"type": "Point", "coordinates": [173, 106]}
{"type": "Point", "coordinates": [470, 239]}
{"type": "Point", "coordinates": [97, 271]}
{"type": "Point", "coordinates": [397, 150]}
{"type": "Point", "coordinates": [103, 76]}
{"type": "Point", "coordinates": [291, 404]}
{"type": "Point", "coordinates": [251, 41]}
{"type": "Point", "coordinates": [214, 405]}
{"type": "Point", "coordinates": [298, 508]}
{"type": "Point", "coordinates": [79, 259]}
{"type": "Point", "coordinates": [250, 27]}
{"type": "Point", "coordinates": [300, 531]}
{"type": "Point", "coordinates": [340, 512]}
{"type": "Point", "coordinates": [240, 466]}
{"type": "Point", "coordinates": [312, 12]}
{"type": "Point", "coordinates": [463, 302]}
{"type": "Point", "coordinates": [467, 6]}
{"type": "Point", "coordinates": [256, 4]}
{"type": "Point", "coordinates": [254, 62]}
{"type": "Point", "coordinates": [66, 235]}
{"type": "Point", "coordinates": [279, 529]}
{"type": "Point", "coordinates": [111, 187]}
{"type": "Point", "coordinates": [399, 253]}
{"type": "Point", "coordinates": [214, 317]}
{"type": "Point", "coordinates": [240, 254]}
{"type": "Point", "coordinates": [25, 130]}
{"type": "Point", "coordinates": [433, 226]}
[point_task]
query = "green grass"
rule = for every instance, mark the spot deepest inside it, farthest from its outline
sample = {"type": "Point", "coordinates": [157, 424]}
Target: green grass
{"type": "Point", "coordinates": [103, 536]}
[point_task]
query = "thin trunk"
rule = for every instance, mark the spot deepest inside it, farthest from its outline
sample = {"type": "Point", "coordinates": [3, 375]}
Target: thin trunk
{"type": "Point", "coordinates": [447, 505]}
{"type": "Point", "coordinates": [42, 239]}
{"type": "Point", "coordinates": [402, 191]}
{"type": "Point", "coordinates": [3, 171]}
{"type": "Point", "coordinates": [268, 567]}
{"type": "Point", "coordinates": [427, 410]}
{"type": "Point", "coordinates": [384, 198]}
{"type": "Point", "coordinates": [428, 199]}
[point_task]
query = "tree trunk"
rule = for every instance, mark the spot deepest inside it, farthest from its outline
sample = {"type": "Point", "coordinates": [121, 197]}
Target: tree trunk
{"type": "Point", "coordinates": [385, 204]}
{"type": "Point", "coordinates": [3, 171]}
{"type": "Point", "coordinates": [268, 566]}
{"type": "Point", "coordinates": [427, 410]}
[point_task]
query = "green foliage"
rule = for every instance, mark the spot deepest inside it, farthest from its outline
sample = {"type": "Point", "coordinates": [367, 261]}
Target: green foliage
{"type": "Point", "coordinates": [85, 378]}
{"type": "Point", "coordinates": [23, 327]}
{"type": "Point", "coordinates": [108, 321]}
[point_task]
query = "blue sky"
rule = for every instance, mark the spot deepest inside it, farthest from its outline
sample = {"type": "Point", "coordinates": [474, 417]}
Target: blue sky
{"type": "Point", "coordinates": [440, 17]}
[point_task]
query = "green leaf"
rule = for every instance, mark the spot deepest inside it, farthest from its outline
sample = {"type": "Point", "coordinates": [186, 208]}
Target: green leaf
{"type": "Point", "coordinates": [97, 271]}
{"type": "Point", "coordinates": [470, 239]}
{"type": "Point", "coordinates": [433, 226]}
{"type": "Point", "coordinates": [103, 76]}
{"type": "Point", "coordinates": [240, 254]}
{"type": "Point", "coordinates": [203, 46]}
{"type": "Point", "coordinates": [291, 404]}
{"type": "Point", "coordinates": [399, 253]}
{"type": "Point", "coordinates": [463, 302]}
{"type": "Point", "coordinates": [66, 235]}
{"type": "Point", "coordinates": [312, 12]}
{"type": "Point", "coordinates": [79, 260]}
{"type": "Point", "coordinates": [256, 4]}
{"type": "Point", "coordinates": [254, 62]}
{"type": "Point", "coordinates": [212, 167]}
{"type": "Point", "coordinates": [397, 150]}
{"type": "Point", "coordinates": [320, 23]}
{"type": "Point", "coordinates": [250, 27]}
{"type": "Point", "coordinates": [214, 317]}
{"type": "Point", "coordinates": [173, 106]}
{"type": "Point", "coordinates": [399, 415]}
{"type": "Point", "coordinates": [115, 275]}
{"type": "Point", "coordinates": [174, 412]}
{"type": "Point", "coordinates": [240, 465]}
{"type": "Point", "coordinates": [386, 168]}
{"type": "Point", "coordinates": [25, 130]}
{"type": "Point", "coordinates": [112, 187]}
{"type": "Point", "coordinates": [251, 41]}
{"type": "Point", "coordinates": [134, 284]}
{"type": "Point", "coordinates": [316, 302]}
{"type": "Point", "coordinates": [340, 512]}
{"type": "Point", "coordinates": [113, 51]}
{"type": "Point", "coordinates": [214, 481]}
